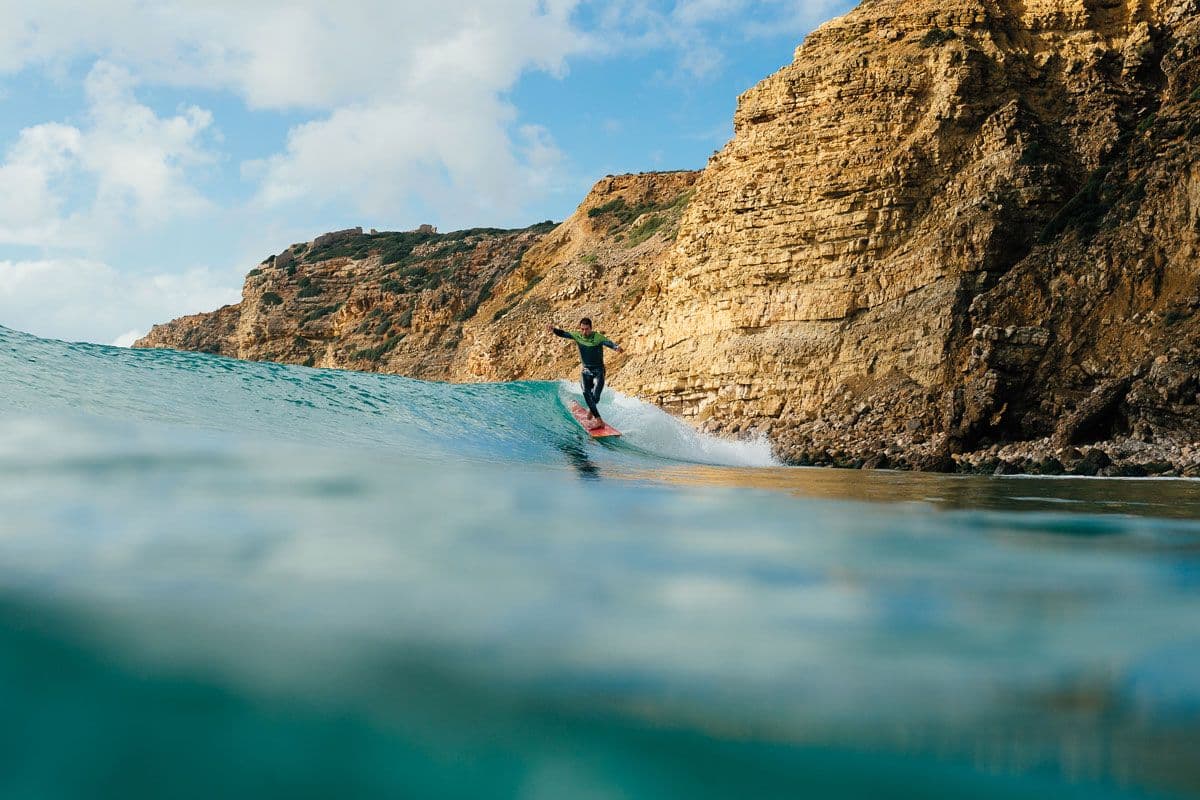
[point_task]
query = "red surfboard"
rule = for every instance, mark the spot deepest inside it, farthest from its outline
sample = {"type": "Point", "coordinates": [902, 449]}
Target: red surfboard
{"type": "Point", "coordinates": [580, 414]}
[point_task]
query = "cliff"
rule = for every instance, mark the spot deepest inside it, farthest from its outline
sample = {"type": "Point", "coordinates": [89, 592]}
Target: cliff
{"type": "Point", "coordinates": [947, 226]}
{"type": "Point", "coordinates": [468, 305]}
{"type": "Point", "coordinates": [387, 302]}
{"type": "Point", "coordinates": [955, 235]}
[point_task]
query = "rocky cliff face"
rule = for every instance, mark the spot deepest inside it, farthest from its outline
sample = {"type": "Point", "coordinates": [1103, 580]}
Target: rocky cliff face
{"type": "Point", "coordinates": [387, 302]}
{"type": "Point", "coordinates": [948, 234]}
{"type": "Point", "coordinates": [943, 226]}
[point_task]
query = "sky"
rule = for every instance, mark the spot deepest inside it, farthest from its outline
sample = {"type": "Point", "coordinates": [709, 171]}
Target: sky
{"type": "Point", "coordinates": [151, 153]}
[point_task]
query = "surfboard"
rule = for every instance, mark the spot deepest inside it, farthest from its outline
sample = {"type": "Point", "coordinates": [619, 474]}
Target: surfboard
{"type": "Point", "coordinates": [580, 414]}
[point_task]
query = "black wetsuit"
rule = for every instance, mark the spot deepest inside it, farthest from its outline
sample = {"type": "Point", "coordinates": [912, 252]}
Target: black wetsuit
{"type": "Point", "coordinates": [591, 353]}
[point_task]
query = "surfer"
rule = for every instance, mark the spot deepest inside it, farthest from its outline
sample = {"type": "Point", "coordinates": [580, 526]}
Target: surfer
{"type": "Point", "coordinates": [591, 353]}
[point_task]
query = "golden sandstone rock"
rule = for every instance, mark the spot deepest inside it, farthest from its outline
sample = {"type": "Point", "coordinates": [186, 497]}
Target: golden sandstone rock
{"type": "Point", "coordinates": [934, 234]}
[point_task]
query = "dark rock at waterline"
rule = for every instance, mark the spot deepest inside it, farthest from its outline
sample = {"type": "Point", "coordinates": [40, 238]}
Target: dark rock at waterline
{"type": "Point", "coordinates": [1049, 466]}
{"type": "Point", "coordinates": [877, 461]}
{"type": "Point", "coordinates": [1093, 461]}
{"type": "Point", "coordinates": [938, 461]}
{"type": "Point", "coordinates": [1124, 471]}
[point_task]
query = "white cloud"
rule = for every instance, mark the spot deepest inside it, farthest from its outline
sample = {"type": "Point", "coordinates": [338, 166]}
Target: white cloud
{"type": "Point", "coordinates": [138, 159]}
{"type": "Point", "coordinates": [30, 202]}
{"type": "Point", "coordinates": [130, 165]}
{"type": "Point", "coordinates": [85, 300]}
{"type": "Point", "coordinates": [295, 53]}
{"type": "Point", "coordinates": [410, 94]}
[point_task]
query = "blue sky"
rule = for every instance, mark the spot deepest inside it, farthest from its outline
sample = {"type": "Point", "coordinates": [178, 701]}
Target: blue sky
{"type": "Point", "coordinates": [150, 154]}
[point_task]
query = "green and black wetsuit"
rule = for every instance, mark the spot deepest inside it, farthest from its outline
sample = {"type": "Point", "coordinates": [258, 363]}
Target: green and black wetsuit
{"type": "Point", "coordinates": [591, 352]}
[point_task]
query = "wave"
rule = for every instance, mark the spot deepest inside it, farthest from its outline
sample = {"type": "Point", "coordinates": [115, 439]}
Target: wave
{"type": "Point", "coordinates": [525, 421]}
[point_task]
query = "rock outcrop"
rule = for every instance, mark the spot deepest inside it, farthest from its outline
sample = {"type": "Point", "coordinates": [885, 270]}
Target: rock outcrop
{"type": "Point", "coordinates": [954, 235]}
{"type": "Point", "coordinates": [388, 302]}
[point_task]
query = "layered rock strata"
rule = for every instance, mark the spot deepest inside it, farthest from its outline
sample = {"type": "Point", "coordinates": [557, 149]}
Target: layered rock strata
{"type": "Point", "coordinates": [955, 235]}
{"type": "Point", "coordinates": [942, 228]}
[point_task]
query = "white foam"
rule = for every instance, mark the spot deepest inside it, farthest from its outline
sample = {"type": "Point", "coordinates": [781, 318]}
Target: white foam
{"type": "Point", "coordinates": [647, 427]}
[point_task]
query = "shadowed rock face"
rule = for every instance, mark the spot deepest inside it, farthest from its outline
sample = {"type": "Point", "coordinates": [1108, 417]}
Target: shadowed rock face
{"type": "Point", "coordinates": [945, 228]}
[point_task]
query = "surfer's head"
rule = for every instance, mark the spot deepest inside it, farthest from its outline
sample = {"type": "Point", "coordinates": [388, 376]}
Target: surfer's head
{"type": "Point", "coordinates": [585, 326]}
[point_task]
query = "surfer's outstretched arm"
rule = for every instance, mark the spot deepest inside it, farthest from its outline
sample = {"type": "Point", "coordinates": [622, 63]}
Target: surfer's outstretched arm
{"type": "Point", "coordinates": [559, 332]}
{"type": "Point", "coordinates": [613, 345]}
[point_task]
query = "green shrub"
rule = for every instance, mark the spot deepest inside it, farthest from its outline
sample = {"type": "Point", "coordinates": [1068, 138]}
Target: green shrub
{"type": "Point", "coordinates": [393, 286]}
{"type": "Point", "coordinates": [298, 249]}
{"type": "Point", "coordinates": [376, 353]}
{"type": "Point", "coordinates": [612, 207]}
{"type": "Point", "coordinates": [473, 308]}
{"type": "Point", "coordinates": [383, 327]}
{"type": "Point", "coordinates": [501, 313]}
{"type": "Point", "coordinates": [405, 320]}
{"type": "Point", "coordinates": [271, 299]}
{"type": "Point", "coordinates": [937, 36]}
{"type": "Point", "coordinates": [308, 288]}
{"type": "Point", "coordinates": [589, 258]}
{"type": "Point", "coordinates": [254, 273]}
{"type": "Point", "coordinates": [625, 213]}
{"type": "Point", "coordinates": [453, 247]}
{"type": "Point", "coordinates": [299, 341]}
{"type": "Point", "coordinates": [317, 313]}
{"type": "Point", "coordinates": [1195, 94]}
{"type": "Point", "coordinates": [1084, 211]}
{"type": "Point", "coordinates": [1147, 123]}
{"type": "Point", "coordinates": [645, 229]}
{"type": "Point", "coordinates": [291, 270]}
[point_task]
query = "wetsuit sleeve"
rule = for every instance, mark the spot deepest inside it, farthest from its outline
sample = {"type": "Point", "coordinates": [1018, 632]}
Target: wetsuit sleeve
{"type": "Point", "coordinates": [562, 333]}
{"type": "Point", "coordinates": [610, 343]}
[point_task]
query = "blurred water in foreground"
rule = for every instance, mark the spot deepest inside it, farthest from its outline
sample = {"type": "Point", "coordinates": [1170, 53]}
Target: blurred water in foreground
{"type": "Point", "coordinates": [227, 579]}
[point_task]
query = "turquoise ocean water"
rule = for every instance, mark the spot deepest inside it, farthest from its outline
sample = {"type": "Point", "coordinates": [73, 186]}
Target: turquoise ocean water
{"type": "Point", "coordinates": [230, 579]}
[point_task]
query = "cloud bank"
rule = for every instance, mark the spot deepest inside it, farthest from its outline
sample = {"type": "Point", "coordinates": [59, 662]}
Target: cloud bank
{"type": "Point", "coordinates": [398, 107]}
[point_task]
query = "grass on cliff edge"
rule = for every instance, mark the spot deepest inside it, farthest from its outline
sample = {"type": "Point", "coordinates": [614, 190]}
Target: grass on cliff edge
{"type": "Point", "coordinates": [624, 214]}
{"type": "Point", "coordinates": [397, 247]}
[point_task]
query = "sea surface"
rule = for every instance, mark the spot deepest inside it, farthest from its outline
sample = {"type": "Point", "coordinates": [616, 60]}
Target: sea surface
{"type": "Point", "coordinates": [224, 579]}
